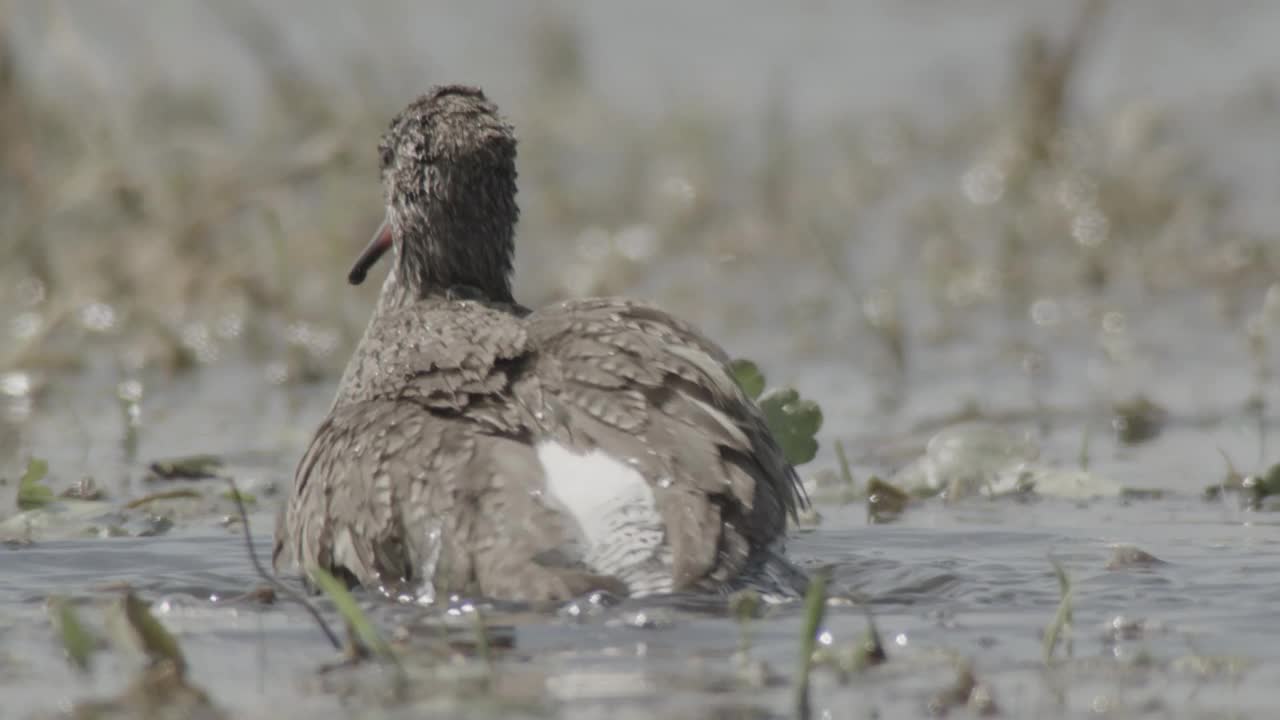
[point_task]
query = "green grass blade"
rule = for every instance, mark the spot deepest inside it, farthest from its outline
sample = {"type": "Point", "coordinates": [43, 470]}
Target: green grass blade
{"type": "Point", "coordinates": [350, 611]}
{"type": "Point", "coordinates": [157, 642]}
{"type": "Point", "coordinates": [1061, 624]}
{"type": "Point", "coordinates": [815, 607]}
{"type": "Point", "coordinates": [77, 641]}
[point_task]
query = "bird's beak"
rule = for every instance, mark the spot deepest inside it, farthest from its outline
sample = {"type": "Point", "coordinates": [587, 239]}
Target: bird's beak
{"type": "Point", "coordinates": [378, 245]}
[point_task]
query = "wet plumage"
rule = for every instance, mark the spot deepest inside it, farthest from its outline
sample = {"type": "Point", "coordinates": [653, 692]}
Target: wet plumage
{"type": "Point", "coordinates": [477, 447]}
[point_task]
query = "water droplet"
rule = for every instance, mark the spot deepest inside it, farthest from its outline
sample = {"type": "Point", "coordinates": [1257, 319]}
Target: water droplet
{"type": "Point", "coordinates": [98, 317]}
{"type": "Point", "coordinates": [277, 373]}
{"type": "Point", "coordinates": [1078, 193]}
{"type": "Point", "coordinates": [636, 243]}
{"type": "Point", "coordinates": [29, 291]}
{"type": "Point", "coordinates": [230, 326]}
{"type": "Point", "coordinates": [197, 338]}
{"type": "Point", "coordinates": [592, 244]}
{"type": "Point", "coordinates": [678, 193]}
{"type": "Point", "coordinates": [983, 184]}
{"type": "Point", "coordinates": [129, 391]}
{"type": "Point", "coordinates": [25, 325]}
{"type": "Point", "coordinates": [1045, 312]}
{"type": "Point", "coordinates": [1090, 228]}
{"type": "Point", "coordinates": [664, 483]}
{"type": "Point", "coordinates": [15, 384]}
{"type": "Point", "coordinates": [1113, 323]}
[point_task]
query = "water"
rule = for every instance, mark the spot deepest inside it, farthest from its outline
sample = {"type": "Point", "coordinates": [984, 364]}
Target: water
{"type": "Point", "coordinates": [1195, 636]}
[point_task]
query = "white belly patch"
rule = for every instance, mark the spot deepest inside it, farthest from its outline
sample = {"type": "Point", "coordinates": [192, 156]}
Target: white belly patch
{"type": "Point", "coordinates": [620, 530]}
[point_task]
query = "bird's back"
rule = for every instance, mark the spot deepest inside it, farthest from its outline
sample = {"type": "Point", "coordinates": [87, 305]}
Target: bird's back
{"type": "Point", "coordinates": [591, 444]}
{"type": "Point", "coordinates": [633, 384]}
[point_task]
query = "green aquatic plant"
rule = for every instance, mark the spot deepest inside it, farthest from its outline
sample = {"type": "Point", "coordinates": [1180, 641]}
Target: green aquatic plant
{"type": "Point", "coordinates": [1254, 489]}
{"type": "Point", "coordinates": [179, 494]}
{"type": "Point", "coordinates": [129, 398]}
{"type": "Point", "coordinates": [744, 605]}
{"type": "Point", "coordinates": [849, 484]}
{"type": "Point", "coordinates": [192, 467]}
{"type": "Point", "coordinates": [32, 493]}
{"type": "Point", "coordinates": [885, 502]}
{"type": "Point", "coordinates": [1232, 481]}
{"type": "Point", "coordinates": [1060, 626]}
{"type": "Point", "coordinates": [156, 642]}
{"type": "Point", "coordinates": [795, 423]}
{"type": "Point", "coordinates": [358, 623]}
{"type": "Point", "coordinates": [869, 651]}
{"type": "Point", "coordinates": [815, 608]}
{"type": "Point", "coordinates": [78, 643]}
{"type": "Point", "coordinates": [272, 581]}
{"type": "Point", "coordinates": [1138, 420]}
{"type": "Point", "coordinates": [1267, 484]}
{"type": "Point", "coordinates": [239, 496]}
{"type": "Point", "coordinates": [748, 376]}
{"type": "Point", "coordinates": [793, 420]}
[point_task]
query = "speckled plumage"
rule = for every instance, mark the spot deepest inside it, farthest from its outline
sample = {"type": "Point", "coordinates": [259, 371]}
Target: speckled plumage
{"type": "Point", "coordinates": [425, 478]}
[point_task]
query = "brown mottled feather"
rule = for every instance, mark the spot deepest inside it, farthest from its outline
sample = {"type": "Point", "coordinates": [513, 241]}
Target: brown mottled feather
{"type": "Point", "coordinates": [426, 477]}
{"type": "Point", "coordinates": [681, 417]}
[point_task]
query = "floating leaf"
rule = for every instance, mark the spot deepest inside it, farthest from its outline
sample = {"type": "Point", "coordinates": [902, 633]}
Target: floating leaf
{"type": "Point", "coordinates": [794, 422]}
{"type": "Point", "coordinates": [78, 643]}
{"type": "Point", "coordinates": [1265, 485]}
{"type": "Point", "coordinates": [885, 502]}
{"type": "Point", "coordinates": [1138, 420]}
{"type": "Point", "coordinates": [193, 467]}
{"type": "Point", "coordinates": [32, 494]}
{"type": "Point", "coordinates": [157, 642]}
{"type": "Point", "coordinates": [748, 376]}
{"type": "Point", "coordinates": [180, 494]}
{"type": "Point", "coordinates": [350, 611]}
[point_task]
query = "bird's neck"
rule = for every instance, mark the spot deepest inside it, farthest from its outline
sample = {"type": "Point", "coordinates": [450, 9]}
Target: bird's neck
{"type": "Point", "coordinates": [448, 248]}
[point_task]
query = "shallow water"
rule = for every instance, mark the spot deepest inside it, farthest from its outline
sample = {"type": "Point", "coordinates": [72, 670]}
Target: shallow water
{"type": "Point", "coordinates": [970, 580]}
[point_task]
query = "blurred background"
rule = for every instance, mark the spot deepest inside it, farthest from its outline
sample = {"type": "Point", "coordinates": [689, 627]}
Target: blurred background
{"type": "Point", "coordinates": [1058, 218]}
{"type": "Point", "coordinates": [907, 208]}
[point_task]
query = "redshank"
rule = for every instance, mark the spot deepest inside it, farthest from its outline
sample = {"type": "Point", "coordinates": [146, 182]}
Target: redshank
{"type": "Point", "coordinates": [478, 448]}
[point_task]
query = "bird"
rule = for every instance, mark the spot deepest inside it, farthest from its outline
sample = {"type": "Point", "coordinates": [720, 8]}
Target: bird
{"type": "Point", "coordinates": [479, 448]}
